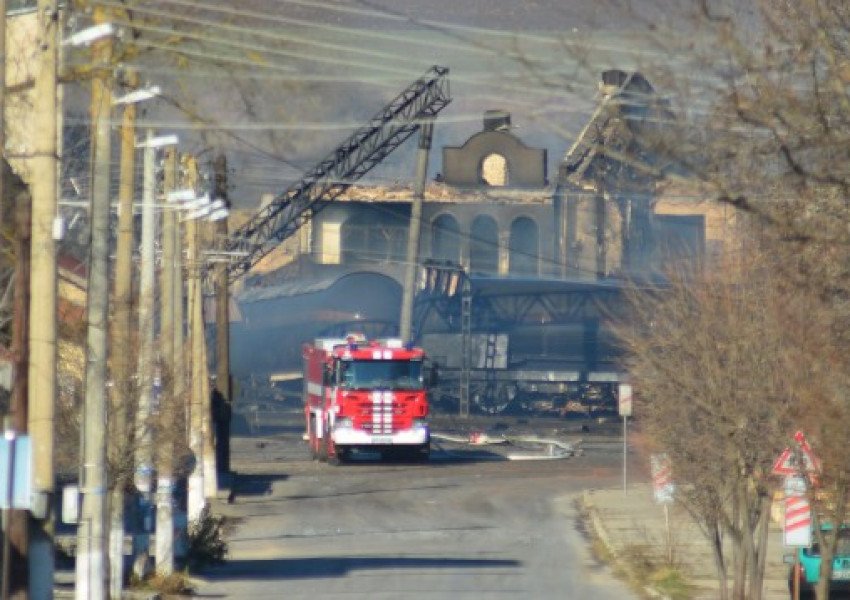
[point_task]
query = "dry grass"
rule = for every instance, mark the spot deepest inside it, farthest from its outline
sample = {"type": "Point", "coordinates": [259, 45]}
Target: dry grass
{"type": "Point", "coordinates": [642, 566]}
{"type": "Point", "coordinates": [169, 586]}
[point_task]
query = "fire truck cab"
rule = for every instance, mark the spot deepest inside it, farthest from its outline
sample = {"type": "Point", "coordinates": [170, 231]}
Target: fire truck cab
{"type": "Point", "coordinates": [365, 395]}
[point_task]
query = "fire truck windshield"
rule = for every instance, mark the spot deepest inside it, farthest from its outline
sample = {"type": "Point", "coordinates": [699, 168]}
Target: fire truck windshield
{"type": "Point", "coordinates": [381, 374]}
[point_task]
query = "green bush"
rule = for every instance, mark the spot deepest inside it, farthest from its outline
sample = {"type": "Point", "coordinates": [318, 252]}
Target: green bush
{"type": "Point", "coordinates": [207, 545]}
{"type": "Point", "coordinates": [672, 583]}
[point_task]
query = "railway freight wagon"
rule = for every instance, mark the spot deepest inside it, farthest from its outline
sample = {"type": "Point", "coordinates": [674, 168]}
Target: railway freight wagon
{"type": "Point", "coordinates": [502, 344]}
{"type": "Point", "coordinates": [503, 378]}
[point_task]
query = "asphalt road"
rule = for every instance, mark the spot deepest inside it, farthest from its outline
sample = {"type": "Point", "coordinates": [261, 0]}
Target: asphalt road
{"type": "Point", "coordinates": [466, 524]}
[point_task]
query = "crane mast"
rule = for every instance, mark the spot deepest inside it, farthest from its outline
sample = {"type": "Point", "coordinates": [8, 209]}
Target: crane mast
{"type": "Point", "coordinates": [351, 160]}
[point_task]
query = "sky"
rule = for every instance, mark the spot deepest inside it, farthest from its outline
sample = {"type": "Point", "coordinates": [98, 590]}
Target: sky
{"type": "Point", "coordinates": [276, 85]}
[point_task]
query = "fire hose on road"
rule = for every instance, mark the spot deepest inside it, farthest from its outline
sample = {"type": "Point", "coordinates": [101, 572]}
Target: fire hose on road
{"type": "Point", "coordinates": [553, 449]}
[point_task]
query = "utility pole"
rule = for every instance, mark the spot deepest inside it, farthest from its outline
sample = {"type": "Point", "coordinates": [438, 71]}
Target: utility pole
{"type": "Point", "coordinates": [91, 544]}
{"type": "Point", "coordinates": [210, 474]}
{"type": "Point", "coordinates": [143, 438]}
{"type": "Point", "coordinates": [178, 278]}
{"type": "Point", "coordinates": [122, 367]}
{"type": "Point", "coordinates": [223, 405]}
{"type": "Point", "coordinates": [144, 453]}
{"type": "Point", "coordinates": [426, 133]}
{"type": "Point", "coordinates": [180, 378]}
{"type": "Point", "coordinates": [196, 501]}
{"type": "Point", "coordinates": [165, 444]}
{"type": "Point", "coordinates": [179, 386]}
{"type": "Point", "coordinates": [2, 108]}
{"type": "Point", "coordinates": [42, 330]}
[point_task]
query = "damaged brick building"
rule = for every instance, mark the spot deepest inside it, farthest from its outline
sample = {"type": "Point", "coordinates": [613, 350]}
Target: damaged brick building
{"type": "Point", "coordinates": [494, 213]}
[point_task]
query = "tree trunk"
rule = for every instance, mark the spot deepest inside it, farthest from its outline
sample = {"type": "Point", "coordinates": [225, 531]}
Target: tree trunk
{"type": "Point", "coordinates": [761, 537]}
{"type": "Point", "coordinates": [18, 542]}
{"type": "Point", "coordinates": [719, 563]}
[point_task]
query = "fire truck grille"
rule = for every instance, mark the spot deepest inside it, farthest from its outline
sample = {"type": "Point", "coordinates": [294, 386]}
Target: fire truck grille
{"type": "Point", "coordinates": [379, 412]}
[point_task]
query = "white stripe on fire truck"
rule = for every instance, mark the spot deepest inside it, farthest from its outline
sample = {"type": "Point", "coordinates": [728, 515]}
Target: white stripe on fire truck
{"type": "Point", "coordinates": [376, 413]}
{"type": "Point", "coordinates": [382, 412]}
{"type": "Point", "coordinates": [314, 389]}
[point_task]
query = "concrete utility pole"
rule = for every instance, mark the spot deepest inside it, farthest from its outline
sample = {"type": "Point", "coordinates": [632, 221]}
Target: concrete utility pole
{"type": "Point", "coordinates": [42, 331]}
{"type": "Point", "coordinates": [2, 106]}
{"type": "Point", "coordinates": [180, 351]}
{"type": "Point", "coordinates": [147, 256]}
{"type": "Point", "coordinates": [195, 501]}
{"type": "Point", "coordinates": [222, 327]}
{"type": "Point", "coordinates": [179, 361]}
{"type": "Point", "coordinates": [210, 473]}
{"type": "Point", "coordinates": [179, 383]}
{"type": "Point", "coordinates": [144, 453]}
{"type": "Point", "coordinates": [426, 133]}
{"type": "Point", "coordinates": [91, 544]}
{"type": "Point", "coordinates": [165, 444]}
{"type": "Point", "coordinates": [122, 365]}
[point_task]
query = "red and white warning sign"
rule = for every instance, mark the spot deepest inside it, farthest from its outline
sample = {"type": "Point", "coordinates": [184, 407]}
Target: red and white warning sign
{"type": "Point", "coordinates": [789, 461]}
{"type": "Point", "coordinates": [662, 478]}
{"type": "Point", "coordinates": [624, 399]}
{"type": "Point", "coordinates": [798, 522]}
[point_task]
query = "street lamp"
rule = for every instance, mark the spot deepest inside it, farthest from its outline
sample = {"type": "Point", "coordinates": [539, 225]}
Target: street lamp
{"type": "Point", "coordinates": [179, 196]}
{"type": "Point", "coordinates": [90, 35]}
{"type": "Point", "coordinates": [139, 95]}
{"type": "Point", "coordinates": [162, 141]}
{"type": "Point", "coordinates": [208, 210]}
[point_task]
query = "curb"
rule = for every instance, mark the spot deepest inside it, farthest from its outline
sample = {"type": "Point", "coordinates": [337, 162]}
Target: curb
{"type": "Point", "coordinates": [602, 535]}
{"type": "Point", "coordinates": [126, 595]}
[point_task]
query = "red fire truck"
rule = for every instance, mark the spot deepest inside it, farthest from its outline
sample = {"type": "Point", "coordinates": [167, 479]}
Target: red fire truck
{"type": "Point", "coordinates": [361, 394]}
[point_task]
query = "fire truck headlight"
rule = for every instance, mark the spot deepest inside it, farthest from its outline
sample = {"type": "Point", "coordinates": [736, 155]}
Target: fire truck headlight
{"type": "Point", "coordinates": [420, 424]}
{"type": "Point", "coordinates": [344, 423]}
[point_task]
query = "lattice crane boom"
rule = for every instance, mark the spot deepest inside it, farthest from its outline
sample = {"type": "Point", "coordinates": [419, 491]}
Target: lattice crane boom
{"type": "Point", "coordinates": [355, 157]}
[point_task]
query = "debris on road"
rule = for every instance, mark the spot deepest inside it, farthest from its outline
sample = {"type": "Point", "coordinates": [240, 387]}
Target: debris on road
{"type": "Point", "coordinates": [552, 449]}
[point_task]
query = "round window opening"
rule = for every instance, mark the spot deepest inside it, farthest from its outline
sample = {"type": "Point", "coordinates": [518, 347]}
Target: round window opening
{"type": "Point", "coordinates": [494, 170]}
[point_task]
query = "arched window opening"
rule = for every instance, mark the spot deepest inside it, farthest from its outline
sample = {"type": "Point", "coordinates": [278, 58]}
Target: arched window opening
{"type": "Point", "coordinates": [524, 247]}
{"type": "Point", "coordinates": [484, 245]}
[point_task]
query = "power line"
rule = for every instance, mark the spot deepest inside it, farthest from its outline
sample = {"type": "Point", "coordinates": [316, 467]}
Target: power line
{"type": "Point", "coordinates": [470, 45]}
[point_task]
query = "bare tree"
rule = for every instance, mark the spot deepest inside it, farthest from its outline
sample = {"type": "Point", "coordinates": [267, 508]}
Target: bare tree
{"type": "Point", "coordinates": [724, 362]}
{"type": "Point", "coordinates": [740, 359]}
